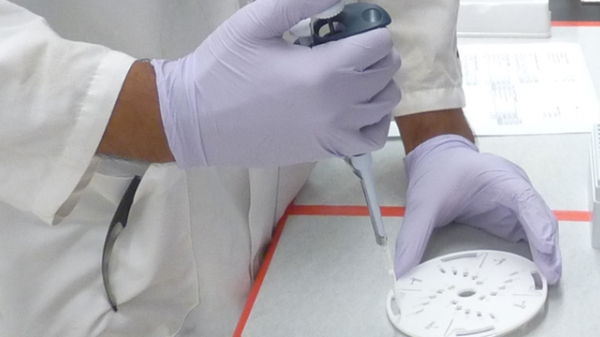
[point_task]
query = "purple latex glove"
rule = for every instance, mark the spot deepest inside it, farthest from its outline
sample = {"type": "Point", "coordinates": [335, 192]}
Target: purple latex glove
{"type": "Point", "coordinates": [247, 97]}
{"type": "Point", "coordinates": [449, 180]}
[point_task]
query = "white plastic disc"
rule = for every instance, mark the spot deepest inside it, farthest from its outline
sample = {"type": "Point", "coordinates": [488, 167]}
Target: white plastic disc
{"type": "Point", "coordinates": [473, 293]}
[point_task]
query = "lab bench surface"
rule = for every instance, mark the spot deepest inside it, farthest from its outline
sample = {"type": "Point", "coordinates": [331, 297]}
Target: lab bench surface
{"type": "Point", "coordinates": [327, 278]}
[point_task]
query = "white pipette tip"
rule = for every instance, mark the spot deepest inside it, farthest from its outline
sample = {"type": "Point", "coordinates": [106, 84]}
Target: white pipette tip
{"type": "Point", "coordinates": [389, 266]}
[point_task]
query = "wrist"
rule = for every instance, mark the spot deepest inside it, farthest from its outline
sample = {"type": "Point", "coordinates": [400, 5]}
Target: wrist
{"type": "Point", "coordinates": [416, 129]}
{"type": "Point", "coordinates": [438, 146]}
{"type": "Point", "coordinates": [179, 97]}
{"type": "Point", "coordinates": [135, 129]}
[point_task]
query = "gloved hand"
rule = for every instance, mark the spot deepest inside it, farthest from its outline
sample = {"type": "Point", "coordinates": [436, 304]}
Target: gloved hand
{"type": "Point", "coordinates": [247, 97]}
{"type": "Point", "coordinates": [449, 180]}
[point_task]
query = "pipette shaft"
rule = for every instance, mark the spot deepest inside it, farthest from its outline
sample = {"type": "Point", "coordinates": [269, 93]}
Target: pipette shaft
{"type": "Point", "coordinates": [362, 166]}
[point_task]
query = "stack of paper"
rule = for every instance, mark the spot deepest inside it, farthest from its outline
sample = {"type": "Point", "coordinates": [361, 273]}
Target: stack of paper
{"type": "Point", "coordinates": [528, 89]}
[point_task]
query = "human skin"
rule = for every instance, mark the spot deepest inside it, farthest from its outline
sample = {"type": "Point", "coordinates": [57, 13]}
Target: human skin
{"type": "Point", "coordinates": [419, 127]}
{"type": "Point", "coordinates": [135, 129]}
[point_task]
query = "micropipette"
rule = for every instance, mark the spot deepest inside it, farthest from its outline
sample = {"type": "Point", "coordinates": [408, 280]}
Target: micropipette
{"type": "Point", "coordinates": [338, 22]}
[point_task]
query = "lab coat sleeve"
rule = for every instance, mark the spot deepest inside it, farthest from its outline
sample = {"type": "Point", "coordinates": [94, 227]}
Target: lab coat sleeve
{"type": "Point", "coordinates": [56, 97]}
{"type": "Point", "coordinates": [424, 33]}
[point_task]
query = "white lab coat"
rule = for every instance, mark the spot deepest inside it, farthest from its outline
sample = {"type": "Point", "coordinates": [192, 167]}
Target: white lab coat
{"type": "Point", "coordinates": [186, 261]}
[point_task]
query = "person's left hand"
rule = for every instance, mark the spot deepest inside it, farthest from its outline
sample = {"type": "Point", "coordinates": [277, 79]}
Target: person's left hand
{"type": "Point", "coordinates": [450, 181]}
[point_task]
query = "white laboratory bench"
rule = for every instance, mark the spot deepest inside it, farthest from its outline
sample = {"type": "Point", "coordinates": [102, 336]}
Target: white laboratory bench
{"type": "Point", "coordinates": [325, 276]}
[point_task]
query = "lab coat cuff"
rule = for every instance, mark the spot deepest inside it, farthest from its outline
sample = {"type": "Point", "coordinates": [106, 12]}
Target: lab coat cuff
{"type": "Point", "coordinates": [76, 166]}
{"type": "Point", "coordinates": [430, 100]}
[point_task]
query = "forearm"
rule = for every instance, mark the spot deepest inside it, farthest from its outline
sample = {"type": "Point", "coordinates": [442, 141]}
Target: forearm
{"type": "Point", "coordinates": [135, 129]}
{"type": "Point", "coordinates": [419, 127]}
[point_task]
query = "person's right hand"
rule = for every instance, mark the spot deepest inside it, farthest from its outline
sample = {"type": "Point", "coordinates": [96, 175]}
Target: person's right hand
{"type": "Point", "coordinates": [247, 97]}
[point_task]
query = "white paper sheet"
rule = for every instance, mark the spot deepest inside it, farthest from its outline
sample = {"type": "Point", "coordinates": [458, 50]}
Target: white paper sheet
{"type": "Point", "coordinates": [515, 89]}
